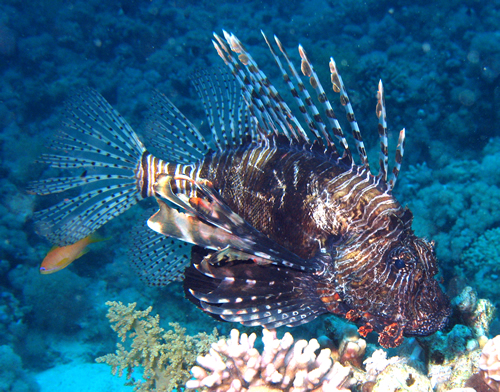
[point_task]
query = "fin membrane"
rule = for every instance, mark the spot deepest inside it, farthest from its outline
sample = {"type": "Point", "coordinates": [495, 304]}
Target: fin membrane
{"type": "Point", "coordinates": [157, 259]}
{"type": "Point", "coordinates": [170, 135]}
{"type": "Point", "coordinates": [252, 294]}
{"type": "Point", "coordinates": [102, 152]}
{"type": "Point", "coordinates": [227, 112]}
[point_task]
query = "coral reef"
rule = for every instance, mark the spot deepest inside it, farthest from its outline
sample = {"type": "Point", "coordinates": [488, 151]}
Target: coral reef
{"type": "Point", "coordinates": [482, 261]}
{"type": "Point", "coordinates": [376, 364]}
{"type": "Point", "coordinates": [12, 326]}
{"type": "Point", "coordinates": [64, 294]}
{"type": "Point", "coordinates": [476, 313]}
{"type": "Point", "coordinates": [451, 357]}
{"type": "Point", "coordinates": [350, 345]}
{"type": "Point", "coordinates": [467, 209]}
{"type": "Point", "coordinates": [165, 357]}
{"type": "Point", "coordinates": [235, 365]}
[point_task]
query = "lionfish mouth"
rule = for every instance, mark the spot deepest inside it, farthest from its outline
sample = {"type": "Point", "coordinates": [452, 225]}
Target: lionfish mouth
{"type": "Point", "coordinates": [432, 314]}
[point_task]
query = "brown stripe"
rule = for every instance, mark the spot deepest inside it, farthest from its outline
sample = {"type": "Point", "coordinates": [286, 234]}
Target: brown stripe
{"type": "Point", "coordinates": [143, 180]}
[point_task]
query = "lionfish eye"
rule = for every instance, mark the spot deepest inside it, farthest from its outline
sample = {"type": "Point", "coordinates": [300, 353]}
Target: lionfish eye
{"type": "Point", "coordinates": [399, 263]}
{"type": "Point", "coordinates": [402, 257]}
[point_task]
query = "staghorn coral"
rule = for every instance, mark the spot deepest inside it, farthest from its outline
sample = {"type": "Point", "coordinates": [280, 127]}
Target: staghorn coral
{"type": "Point", "coordinates": [489, 363]}
{"type": "Point", "coordinates": [166, 357]}
{"type": "Point", "coordinates": [235, 365]}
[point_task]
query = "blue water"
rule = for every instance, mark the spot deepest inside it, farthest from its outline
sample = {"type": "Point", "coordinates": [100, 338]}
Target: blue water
{"type": "Point", "coordinates": [440, 63]}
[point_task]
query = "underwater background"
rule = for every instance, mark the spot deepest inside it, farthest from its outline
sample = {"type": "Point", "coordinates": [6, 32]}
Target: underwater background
{"type": "Point", "coordinates": [440, 63]}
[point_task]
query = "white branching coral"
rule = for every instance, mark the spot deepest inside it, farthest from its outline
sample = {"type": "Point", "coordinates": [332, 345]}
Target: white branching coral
{"type": "Point", "coordinates": [489, 363]}
{"type": "Point", "coordinates": [235, 365]}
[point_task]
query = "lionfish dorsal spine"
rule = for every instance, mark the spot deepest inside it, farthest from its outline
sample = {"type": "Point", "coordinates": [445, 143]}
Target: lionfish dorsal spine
{"type": "Point", "coordinates": [308, 70]}
{"type": "Point", "coordinates": [255, 107]}
{"type": "Point", "coordinates": [314, 123]}
{"type": "Point", "coordinates": [338, 87]}
{"type": "Point", "coordinates": [382, 132]}
{"type": "Point", "coordinates": [248, 85]}
{"type": "Point", "coordinates": [275, 106]}
{"type": "Point", "coordinates": [398, 159]}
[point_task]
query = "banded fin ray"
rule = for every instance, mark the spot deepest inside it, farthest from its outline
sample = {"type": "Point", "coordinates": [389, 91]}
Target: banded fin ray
{"type": "Point", "coordinates": [227, 112]}
{"type": "Point", "coordinates": [275, 105]}
{"type": "Point", "coordinates": [244, 292]}
{"type": "Point", "coordinates": [61, 184]}
{"type": "Point", "coordinates": [170, 135]}
{"type": "Point", "coordinates": [308, 71]}
{"type": "Point", "coordinates": [400, 149]}
{"type": "Point", "coordinates": [265, 103]}
{"type": "Point", "coordinates": [382, 131]}
{"type": "Point", "coordinates": [314, 121]}
{"type": "Point", "coordinates": [89, 114]}
{"type": "Point", "coordinates": [339, 87]}
{"type": "Point", "coordinates": [157, 259]}
{"type": "Point", "coordinates": [95, 138]}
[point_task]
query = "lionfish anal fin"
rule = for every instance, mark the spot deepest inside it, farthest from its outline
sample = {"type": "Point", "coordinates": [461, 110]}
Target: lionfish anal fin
{"type": "Point", "coordinates": [157, 259]}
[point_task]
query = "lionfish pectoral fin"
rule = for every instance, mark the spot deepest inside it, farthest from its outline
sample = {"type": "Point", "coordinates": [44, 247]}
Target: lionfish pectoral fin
{"type": "Point", "coordinates": [206, 220]}
{"type": "Point", "coordinates": [186, 227]}
{"type": "Point", "coordinates": [208, 206]}
{"type": "Point", "coordinates": [252, 294]}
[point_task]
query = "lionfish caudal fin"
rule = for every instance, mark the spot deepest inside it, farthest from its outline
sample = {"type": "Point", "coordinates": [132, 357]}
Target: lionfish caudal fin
{"type": "Point", "coordinates": [110, 170]}
{"type": "Point", "coordinates": [102, 153]}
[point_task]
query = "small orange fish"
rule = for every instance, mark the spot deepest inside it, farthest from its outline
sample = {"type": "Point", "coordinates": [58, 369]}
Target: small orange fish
{"type": "Point", "coordinates": [59, 257]}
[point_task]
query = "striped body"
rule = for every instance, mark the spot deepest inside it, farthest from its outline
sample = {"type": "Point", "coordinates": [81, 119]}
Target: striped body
{"type": "Point", "coordinates": [270, 223]}
{"type": "Point", "coordinates": [299, 198]}
{"type": "Point", "coordinates": [326, 210]}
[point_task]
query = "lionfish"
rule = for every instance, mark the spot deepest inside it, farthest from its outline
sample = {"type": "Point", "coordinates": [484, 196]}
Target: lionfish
{"type": "Point", "coordinates": [271, 222]}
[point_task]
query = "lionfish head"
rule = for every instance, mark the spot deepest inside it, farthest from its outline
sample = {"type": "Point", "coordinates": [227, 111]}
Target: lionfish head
{"type": "Point", "coordinates": [413, 267]}
{"type": "Point", "coordinates": [396, 293]}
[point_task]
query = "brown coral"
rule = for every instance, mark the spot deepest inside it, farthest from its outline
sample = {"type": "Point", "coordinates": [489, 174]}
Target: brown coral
{"type": "Point", "coordinates": [235, 365]}
{"type": "Point", "coordinates": [166, 357]}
